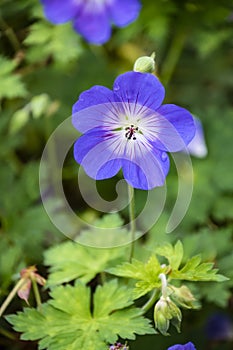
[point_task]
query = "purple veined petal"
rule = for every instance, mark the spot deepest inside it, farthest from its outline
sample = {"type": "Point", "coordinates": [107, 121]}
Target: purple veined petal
{"type": "Point", "coordinates": [60, 11]}
{"type": "Point", "coordinates": [96, 95]}
{"type": "Point", "coordinates": [173, 128]}
{"type": "Point", "coordinates": [147, 168]}
{"type": "Point", "coordinates": [99, 154]}
{"type": "Point", "coordinates": [139, 88]}
{"type": "Point", "coordinates": [93, 24]}
{"type": "Point", "coordinates": [123, 12]}
{"type": "Point", "coordinates": [187, 346]}
{"type": "Point", "coordinates": [197, 147]}
{"type": "Point", "coordinates": [106, 116]}
{"type": "Point", "coordinates": [109, 169]}
{"type": "Point", "coordinates": [86, 142]}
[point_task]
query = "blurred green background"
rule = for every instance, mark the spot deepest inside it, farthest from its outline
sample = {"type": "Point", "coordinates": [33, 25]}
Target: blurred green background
{"type": "Point", "coordinates": [44, 68]}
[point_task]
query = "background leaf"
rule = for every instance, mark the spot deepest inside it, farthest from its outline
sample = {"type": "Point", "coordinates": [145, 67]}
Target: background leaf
{"type": "Point", "coordinates": [70, 260]}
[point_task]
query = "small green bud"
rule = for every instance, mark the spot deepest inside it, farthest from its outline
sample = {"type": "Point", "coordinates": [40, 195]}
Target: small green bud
{"type": "Point", "coordinates": [183, 297]}
{"type": "Point", "coordinates": [166, 311]}
{"type": "Point", "coordinates": [160, 317]}
{"type": "Point", "coordinates": [174, 310]}
{"type": "Point", "coordinates": [145, 64]}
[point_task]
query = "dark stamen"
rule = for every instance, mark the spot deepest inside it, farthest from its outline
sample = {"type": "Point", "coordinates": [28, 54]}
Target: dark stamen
{"type": "Point", "coordinates": [130, 134]}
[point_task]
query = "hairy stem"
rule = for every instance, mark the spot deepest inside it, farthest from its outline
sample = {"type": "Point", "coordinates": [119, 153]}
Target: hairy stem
{"type": "Point", "coordinates": [163, 279]}
{"type": "Point", "coordinates": [11, 295]}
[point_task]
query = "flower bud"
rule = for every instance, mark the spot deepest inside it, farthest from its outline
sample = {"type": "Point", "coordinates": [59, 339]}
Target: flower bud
{"type": "Point", "coordinates": [145, 64]}
{"type": "Point", "coordinates": [164, 312]}
{"type": "Point", "coordinates": [183, 297]}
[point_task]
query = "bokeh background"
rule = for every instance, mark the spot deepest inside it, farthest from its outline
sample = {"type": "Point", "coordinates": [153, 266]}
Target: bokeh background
{"type": "Point", "coordinates": [44, 68]}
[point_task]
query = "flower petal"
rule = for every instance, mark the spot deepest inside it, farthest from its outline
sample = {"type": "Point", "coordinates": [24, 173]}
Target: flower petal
{"type": "Point", "coordinates": [94, 96]}
{"type": "Point", "coordinates": [123, 12]}
{"type": "Point", "coordinates": [173, 127]}
{"type": "Point", "coordinates": [109, 169]}
{"type": "Point", "coordinates": [93, 25]}
{"type": "Point", "coordinates": [187, 346]}
{"type": "Point", "coordinates": [59, 11]}
{"type": "Point", "coordinates": [24, 291]}
{"type": "Point", "coordinates": [197, 147]}
{"type": "Point", "coordinates": [99, 154]}
{"type": "Point", "coordinates": [86, 142]}
{"type": "Point", "coordinates": [103, 115]}
{"type": "Point", "coordinates": [142, 88]}
{"type": "Point", "coordinates": [148, 169]}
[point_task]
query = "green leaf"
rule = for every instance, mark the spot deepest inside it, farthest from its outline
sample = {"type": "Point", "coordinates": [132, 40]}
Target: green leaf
{"type": "Point", "coordinates": [108, 231]}
{"type": "Point", "coordinates": [147, 275]}
{"type": "Point", "coordinates": [218, 293]}
{"type": "Point", "coordinates": [71, 260]}
{"type": "Point", "coordinates": [211, 242]}
{"type": "Point", "coordinates": [19, 119]}
{"type": "Point", "coordinates": [11, 85]}
{"type": "Point", "coordinates": [38, 106]}
{"type": "Point", "coordinates": [66, 321]}
{"type": "Point", "coordinates": [60, 42]}
{"type": "Point", "coordinates": [105, 305]}
{"type": "Point", "coordinates": [194, 270]}
{"type": "Point", "coordinates": [174, 254]}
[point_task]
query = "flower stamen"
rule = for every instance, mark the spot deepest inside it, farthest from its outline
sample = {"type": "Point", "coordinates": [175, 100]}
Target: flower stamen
{"type": "Point", "coordinates": [131, 130]}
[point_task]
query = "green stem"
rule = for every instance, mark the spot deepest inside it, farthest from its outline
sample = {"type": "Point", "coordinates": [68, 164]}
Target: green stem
{"type": "Point", "coordinates": [11, 295]}
{"type": "Point", "coordinates": [52, 156]}
{"type": "Point", "coordinates": [36, 293]}
{"type": "Point", "coordinates": [7, 334]}
{"type": "Point", "coordinates": [132, 220]}
{"type": "Point", "coordinates": [102, 277]}
{"type": "Point", "coordinates": [151, 301]}
{"type": "Point", "coordinates": [163, 279]}
{"type": "Point", "coordinates": [173, 55]}
{"type": "Point", "coordinates": [10, 34]}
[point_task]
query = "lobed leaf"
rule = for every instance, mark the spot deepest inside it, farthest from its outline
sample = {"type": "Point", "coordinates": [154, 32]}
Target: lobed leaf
{"type": "Point", "coordinates": [71, 260]}
{"type": "Point", "coordinates": [11, 84]}
{"type": "Point", "coordinates": [60, 42]}
{"type": "Point", "coordinates": [174, 254]}
{"type": "Point", "coordinates": [194, 270]}
{"type": "Point", "coordinates": [66, 321]}
{"type": "Point", "coordinates": [147, 274]}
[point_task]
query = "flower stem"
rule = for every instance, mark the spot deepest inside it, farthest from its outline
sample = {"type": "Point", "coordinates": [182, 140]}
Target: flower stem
{"type": "Point", "coordinates": [173, 55]}
{"type": "Point", "coordinates": [11, 295]}
{"type": "Point", "coordinates": [36, 293]}
{"type": "Point", "coordinates": [7, 334]}
{"type": "Point", "coordinates": [132, 220]}
{"type": "Point", "coordinates": [8, 31]}
{"type": "Point", "coordinates": [151, 301]}
{"type": "Point", "coordinates": [52, 156]}
{"type": "Point", "coordinates": [163, 279]}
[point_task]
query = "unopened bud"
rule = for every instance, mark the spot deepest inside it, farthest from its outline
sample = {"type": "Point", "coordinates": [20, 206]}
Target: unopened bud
{"type": "Point", "coordinates": [145, 64]}
{"type": "Point", "coordinates": [166, 311]}
{"type": "Point", "coordinates": [183, 297]}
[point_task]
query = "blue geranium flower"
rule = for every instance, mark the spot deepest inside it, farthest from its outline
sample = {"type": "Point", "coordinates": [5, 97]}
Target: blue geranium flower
{"type": "Point", "coordinates": [188, 346]}
{"type": "Point", "coordinates": [128, 128]}
{"type": "Point", "coordinates": [92, 18]}
{"type": "Point", "coordinates": [197, 146]}
{"type": "Point", "coordinates": [219, 327]}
